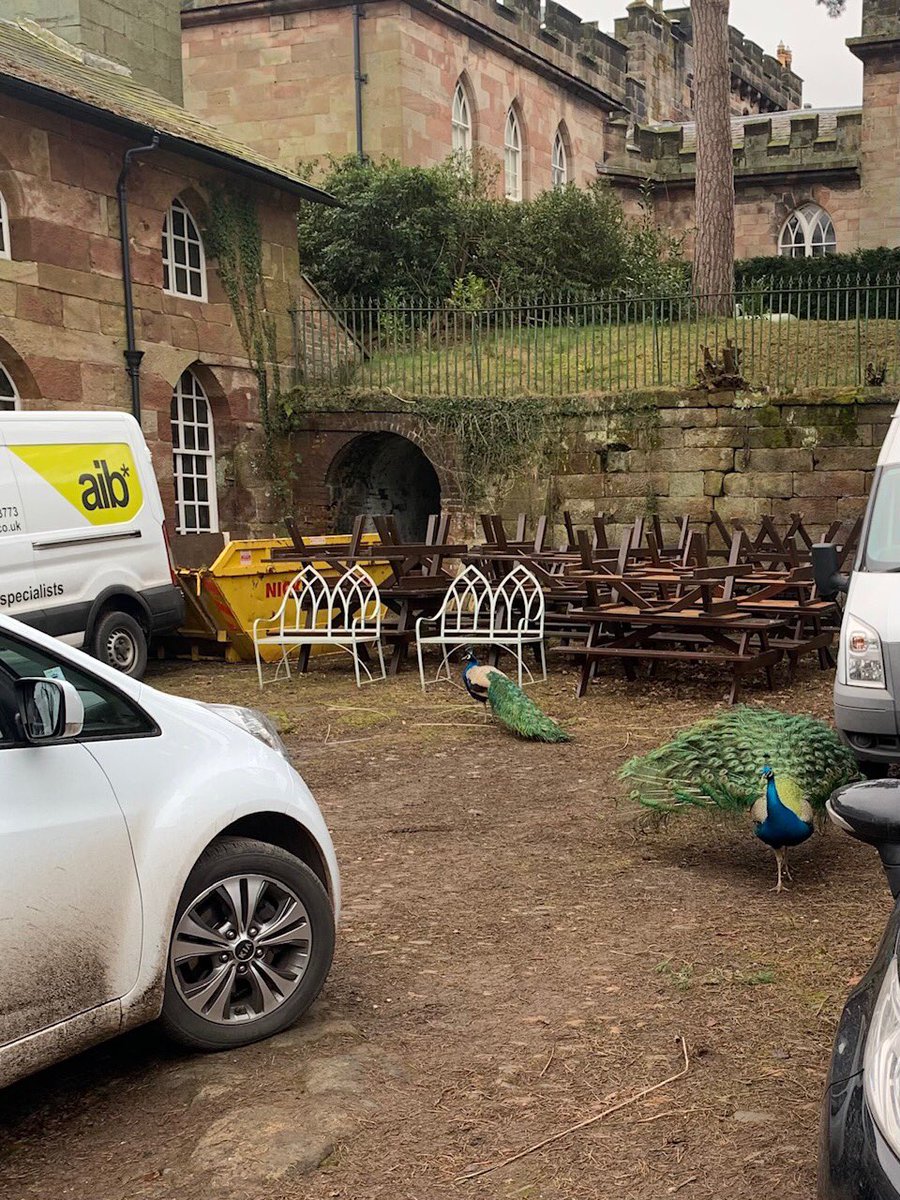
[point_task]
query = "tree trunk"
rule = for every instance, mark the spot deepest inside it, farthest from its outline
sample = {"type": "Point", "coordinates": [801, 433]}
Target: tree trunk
{"type": "Point", "coordinates": [714, 254]}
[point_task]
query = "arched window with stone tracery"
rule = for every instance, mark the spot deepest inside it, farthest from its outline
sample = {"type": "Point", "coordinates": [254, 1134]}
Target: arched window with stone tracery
{"type": "Point", "coordinates": [807, 233]}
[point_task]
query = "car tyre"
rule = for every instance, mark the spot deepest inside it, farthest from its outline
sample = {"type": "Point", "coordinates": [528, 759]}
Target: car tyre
{"type": "Point", "coordinates": [120, 642]}
{"type": "Point", "coordinates": [225, 860]}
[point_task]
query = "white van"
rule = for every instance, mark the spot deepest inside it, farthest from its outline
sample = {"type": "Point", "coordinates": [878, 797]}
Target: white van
{"type": "Point", "coordinates": [83, 549]}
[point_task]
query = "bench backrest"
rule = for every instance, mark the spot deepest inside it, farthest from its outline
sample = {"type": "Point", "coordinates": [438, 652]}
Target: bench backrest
{"type": "Point", "coordinates": [352, 603]}
{"type": "Point", "coordinates": [473, 605]}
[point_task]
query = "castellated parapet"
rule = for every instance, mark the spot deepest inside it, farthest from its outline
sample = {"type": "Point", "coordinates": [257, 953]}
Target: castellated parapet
{"type": "Point", "coordinates": [800, 142]}
{"type": "Point", "coordinates": [661, 67]}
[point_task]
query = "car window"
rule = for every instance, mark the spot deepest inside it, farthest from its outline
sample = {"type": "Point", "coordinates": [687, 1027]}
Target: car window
{"type": "Point", "coordinates": [107, 713]}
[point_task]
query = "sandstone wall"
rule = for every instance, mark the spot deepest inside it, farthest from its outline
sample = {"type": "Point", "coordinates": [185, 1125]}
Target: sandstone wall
{"type": "Point", "coordinates": [741, 455]}
{"type": "Point", "coordinates": [761, 209]}
{"type": "Point", "coordinates": [62, 323]}
{"type": "Point", "coordinates": [284, 84]}
{"type": "Point", "coordinates": [431, 65]}
{"type": "Point", "coordinates": [669, 453]}
{"type": "Point", "coordinates": [880, 155]}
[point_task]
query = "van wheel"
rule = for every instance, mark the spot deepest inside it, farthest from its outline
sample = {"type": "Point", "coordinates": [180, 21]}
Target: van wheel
{"type": "Point", "coordinates": [120, 642]}
{"type": "Point", "coordinates": [251, 947]}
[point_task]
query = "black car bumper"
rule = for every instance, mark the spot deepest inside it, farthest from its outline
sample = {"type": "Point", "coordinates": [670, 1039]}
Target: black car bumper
{"type": "Point", "coordinates": [855, 1162]}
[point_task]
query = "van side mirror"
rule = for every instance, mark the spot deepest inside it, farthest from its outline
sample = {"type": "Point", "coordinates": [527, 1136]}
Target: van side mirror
{"type": "Point", "coordinates": [50, 710]}
{"type": "Point", "coordinates": [870, 812]}
{"type": "Point", "coordinates": [829, 580]}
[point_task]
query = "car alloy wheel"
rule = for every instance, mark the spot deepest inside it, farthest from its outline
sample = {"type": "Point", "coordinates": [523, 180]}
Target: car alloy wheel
{"type": "Point", "coordinates": [241, 949]}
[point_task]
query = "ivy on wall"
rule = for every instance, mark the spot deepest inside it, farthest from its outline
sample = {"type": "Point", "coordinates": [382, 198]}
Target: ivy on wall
{"type": "Point", "coordinates": [490, 441]}
{"type": "Point", "coordinates": [234, 239]}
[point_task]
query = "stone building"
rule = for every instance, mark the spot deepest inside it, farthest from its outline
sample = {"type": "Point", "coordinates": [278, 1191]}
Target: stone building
{"type": "Point", "coordinates": [68, 118]}
{"type": "Point", "coordinates": [797, 180]}
{"type": "Point", "coordinates": [555, 100]}
{"type": "Point", "coordinates": [526, 81]}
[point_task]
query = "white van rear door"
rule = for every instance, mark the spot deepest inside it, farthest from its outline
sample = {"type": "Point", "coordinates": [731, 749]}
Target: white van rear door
{"type": "Point", "coordinates": [17, 583]}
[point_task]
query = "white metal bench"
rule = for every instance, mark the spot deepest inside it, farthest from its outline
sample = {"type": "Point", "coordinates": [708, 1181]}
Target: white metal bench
{"type": "Point", "coordinates": [508, 615]}
{"type": "Point", "coordinates": [346, 614]}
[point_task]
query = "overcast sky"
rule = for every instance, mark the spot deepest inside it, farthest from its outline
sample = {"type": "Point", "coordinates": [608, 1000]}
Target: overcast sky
{"type": "Point", "coordinates": [832, 76]}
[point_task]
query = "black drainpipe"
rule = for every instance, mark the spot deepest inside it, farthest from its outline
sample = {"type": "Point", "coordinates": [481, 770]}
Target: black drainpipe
{"type": "Point", "coordinates": [133, 356]}
{"type": "Point", "coordinates": [358, 80]}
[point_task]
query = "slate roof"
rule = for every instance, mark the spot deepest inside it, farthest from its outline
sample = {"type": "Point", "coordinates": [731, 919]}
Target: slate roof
{"type": "Point", "coordinates": [42, 68]}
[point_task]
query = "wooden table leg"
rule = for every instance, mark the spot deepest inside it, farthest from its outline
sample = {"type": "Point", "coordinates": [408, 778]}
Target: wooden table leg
{"type": "Point", "coordinates": [587, 667]}
{"type": "Point", "coordinates": [770, 674]}
{"type": "Point", "coordinates": [398, 654]}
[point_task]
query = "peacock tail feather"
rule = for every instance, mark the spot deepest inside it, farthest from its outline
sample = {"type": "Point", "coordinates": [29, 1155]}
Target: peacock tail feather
{"type": "Point", "coordinates": [716, 763]}
{"type": "Point", "coordinates": [517, 712]}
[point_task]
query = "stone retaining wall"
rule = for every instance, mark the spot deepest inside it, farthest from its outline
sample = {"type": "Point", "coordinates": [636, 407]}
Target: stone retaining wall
{"type": "Point", "coordinates": [667, 453]}
{"type": "Point", "coordinates": [741, 455]}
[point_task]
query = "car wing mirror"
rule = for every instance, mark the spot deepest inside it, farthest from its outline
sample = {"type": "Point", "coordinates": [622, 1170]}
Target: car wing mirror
{"type": "Point", "coordinates": [50, 710]}
{"type": "Point", "coordinates": [829, 579]}
{"type": "Point", "coordinates": [870, 812]}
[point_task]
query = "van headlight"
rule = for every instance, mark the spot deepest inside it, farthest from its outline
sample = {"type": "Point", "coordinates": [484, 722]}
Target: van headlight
{"type": "Point", "coordinates": [253, 721]}
{"type": "Point", "coordinates": [881, 1062]}
{"type": "Point", "coordinates": [863, 656]}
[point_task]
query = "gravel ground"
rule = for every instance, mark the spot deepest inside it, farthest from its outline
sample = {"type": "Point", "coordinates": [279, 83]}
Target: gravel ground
{"type": "Point", "coordinates": [515, 957]}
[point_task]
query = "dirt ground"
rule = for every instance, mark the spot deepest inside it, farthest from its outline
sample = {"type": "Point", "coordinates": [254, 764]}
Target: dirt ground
{"type": "Point", "coordinates": [514, 958]}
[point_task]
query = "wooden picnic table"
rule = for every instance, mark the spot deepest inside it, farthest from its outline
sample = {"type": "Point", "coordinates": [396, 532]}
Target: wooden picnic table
{"type": "Point", "coordinates": [630, 633]}
{"type": "Point", "coordinates": [409, 598]}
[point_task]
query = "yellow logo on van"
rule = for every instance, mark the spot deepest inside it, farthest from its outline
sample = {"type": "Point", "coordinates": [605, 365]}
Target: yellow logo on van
{"type": "Point", "coordinates": [100, 480]}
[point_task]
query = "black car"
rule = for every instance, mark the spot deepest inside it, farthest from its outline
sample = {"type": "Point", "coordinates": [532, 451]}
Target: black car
{"type": "Point", "coordinates": [859, 1153]}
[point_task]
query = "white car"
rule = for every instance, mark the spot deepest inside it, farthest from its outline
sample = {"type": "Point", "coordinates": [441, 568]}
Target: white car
{"type": "Point", "coordinates": [160, 857]}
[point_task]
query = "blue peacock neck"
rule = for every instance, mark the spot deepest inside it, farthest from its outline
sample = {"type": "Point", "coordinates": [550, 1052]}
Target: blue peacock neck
{"type": "Point", "coordinates": [774, 804]}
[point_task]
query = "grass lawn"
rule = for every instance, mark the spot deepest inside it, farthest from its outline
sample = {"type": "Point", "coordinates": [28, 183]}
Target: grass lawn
{"type": "Point", "coordinates": [516, 359]}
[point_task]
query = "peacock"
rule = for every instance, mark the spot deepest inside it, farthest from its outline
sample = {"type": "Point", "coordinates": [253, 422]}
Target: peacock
{"type": "Point", "coordinates": [779, 768]}
{"type": "Point", "coordinates": [508, 702]}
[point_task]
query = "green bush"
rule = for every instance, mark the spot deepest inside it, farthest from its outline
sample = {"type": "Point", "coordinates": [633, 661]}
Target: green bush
{"type": "Point", "coordinates": [836, 287]}
{"type": "Point", "coordinates": [430, 232]}
{"type": "Point", "coordinates": [884, 261]}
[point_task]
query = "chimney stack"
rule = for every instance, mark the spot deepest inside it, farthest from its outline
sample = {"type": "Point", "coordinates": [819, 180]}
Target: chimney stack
{"type": "Point", "coordinates": [785, 55]}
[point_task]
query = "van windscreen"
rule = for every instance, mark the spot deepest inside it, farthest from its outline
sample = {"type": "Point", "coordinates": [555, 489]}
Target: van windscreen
{"type": "Point", "coordinates": [883, 539]}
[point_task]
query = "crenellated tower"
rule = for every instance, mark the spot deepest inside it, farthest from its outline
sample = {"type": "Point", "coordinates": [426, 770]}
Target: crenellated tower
{"type": "Point", "coordinates": [879, 49]}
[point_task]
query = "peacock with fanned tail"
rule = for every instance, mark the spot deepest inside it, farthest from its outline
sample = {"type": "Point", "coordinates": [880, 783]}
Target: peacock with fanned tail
{"type": "Point", "coordinates": [779, 769]}
{"type": "Point", "coordinates": [508, 703]}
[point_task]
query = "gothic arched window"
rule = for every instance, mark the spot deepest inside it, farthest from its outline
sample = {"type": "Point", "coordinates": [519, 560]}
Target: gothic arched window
{"type": "Point", "coordinates": [184, 261]}
{"type": "Point", "coordinates": [9, 394]}
{"type": "Point", "coordinates": [559, 161]}
{"type": "Point", "coordinates": [512, 157]}
{"type": "Point", "coordinates": [461, 121]}
{"type": "Point", "coordinates": [807, 233]}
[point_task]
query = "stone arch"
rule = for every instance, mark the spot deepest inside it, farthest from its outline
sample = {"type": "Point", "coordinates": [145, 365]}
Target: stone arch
{"type": "Point", "coordinates": [19, 373]}
{"type": "Point", "coordinates": [383, 472]}
{"type": "Point", "coordinates": [215, 392]}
